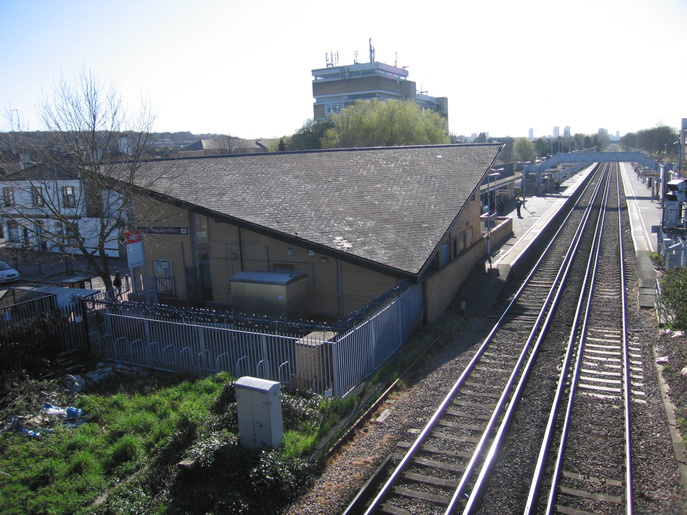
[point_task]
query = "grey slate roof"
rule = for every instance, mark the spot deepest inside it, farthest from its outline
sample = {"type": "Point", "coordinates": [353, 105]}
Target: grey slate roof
{"type": "Point", "coordinates": [390, 206]}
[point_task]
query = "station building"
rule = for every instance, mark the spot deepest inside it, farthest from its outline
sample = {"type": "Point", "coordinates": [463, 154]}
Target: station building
{"type": "Point", "coordinates": [353, 222]}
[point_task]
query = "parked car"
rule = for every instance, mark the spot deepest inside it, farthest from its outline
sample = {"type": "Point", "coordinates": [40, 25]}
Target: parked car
{"type": "Point", "coordinates": [7, 273]}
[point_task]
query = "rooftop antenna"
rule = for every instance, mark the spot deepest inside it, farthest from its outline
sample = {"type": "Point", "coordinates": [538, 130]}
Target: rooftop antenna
{"type": "Point", "coordinates": [332, 59]}
{"type": "Point", "coordinates": [355, 57]}
{"type": "Point", "coordinates": [372, 52]}
{"type": "Point", "coordinates": [396, 60]}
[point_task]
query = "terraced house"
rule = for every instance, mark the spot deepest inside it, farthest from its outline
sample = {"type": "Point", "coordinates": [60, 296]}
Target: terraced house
{"type": "Point", "coordinates": [346, 224]}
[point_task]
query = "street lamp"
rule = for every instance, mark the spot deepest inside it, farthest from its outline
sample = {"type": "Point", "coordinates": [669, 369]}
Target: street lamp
{"type": "Point", "coordinates": [495, 174]}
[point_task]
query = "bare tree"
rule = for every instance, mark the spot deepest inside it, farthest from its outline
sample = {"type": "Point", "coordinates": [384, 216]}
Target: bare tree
{"type": "Point", "coordinates": [68, 188]}
{"type": "Point", "coordinates": [225, 144]}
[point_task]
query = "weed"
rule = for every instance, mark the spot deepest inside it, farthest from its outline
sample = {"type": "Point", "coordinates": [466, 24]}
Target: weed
{"type": "Point", "coordinates": [298, 444]}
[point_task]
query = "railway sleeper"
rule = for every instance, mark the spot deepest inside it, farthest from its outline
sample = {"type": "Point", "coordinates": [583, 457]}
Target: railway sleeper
{"type": "Point", "coordinates": [431, 480]}
{"type": "Point", "coordinates": [432, 449]}
{"type": "Point", "coordinates": [423, 496]}
{"type": "Point", "coordinates": [441, 465]}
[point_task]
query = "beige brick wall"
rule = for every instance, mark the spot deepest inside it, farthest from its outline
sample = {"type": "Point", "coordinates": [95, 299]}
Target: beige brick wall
{"type": "Point", "coordinates": [336, 288]}
{"type": "Point", "coordinates": [442, 287]}
{"type": "Point", "coordinates": [231, 253]}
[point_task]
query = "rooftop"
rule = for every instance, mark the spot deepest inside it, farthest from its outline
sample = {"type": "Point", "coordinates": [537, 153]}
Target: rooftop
{"type": "Point", "coordinates": [386, 205]}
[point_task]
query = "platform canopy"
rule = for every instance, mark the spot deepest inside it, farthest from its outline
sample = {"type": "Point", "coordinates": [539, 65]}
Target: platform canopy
{"type": "Point", "coordinates": [594, 157]}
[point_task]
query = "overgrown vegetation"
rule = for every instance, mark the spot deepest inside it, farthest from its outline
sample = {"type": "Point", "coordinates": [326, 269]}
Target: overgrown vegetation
{"type": "Point", "coordinates": [657, 259]}
{"type": "Point", "coordinates": [30, 344]}
{"type": "Point", "coordinates": [151, 444]}
{"type": "Point", "coordinates": [672, 301]}
{"type": "Point", "coordinates": [159, 443]}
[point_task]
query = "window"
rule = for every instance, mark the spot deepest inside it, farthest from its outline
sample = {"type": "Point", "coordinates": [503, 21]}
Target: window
{"type": "Point", "coordinates": [68, 196]}
{"type": "Point", "coordinates": [164, 276]}
{"type": "Point", "coordinates": [39, 230]}
{"type": "Point", "coordinates": [333, 108]}
{"type": "Point", "coordinates": [14, 231]}
{"type": "Point", "coordinates": [37, 196]}
{"type": "Point", "coordinates": [8, 196]}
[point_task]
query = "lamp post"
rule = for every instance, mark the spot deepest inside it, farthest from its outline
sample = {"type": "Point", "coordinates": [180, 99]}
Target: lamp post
{"type": "Point", "coordinates": [494, 174]}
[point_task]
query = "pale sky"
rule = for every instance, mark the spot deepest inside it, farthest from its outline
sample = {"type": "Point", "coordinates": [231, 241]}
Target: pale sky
{"type": "Point", "coordinates": [244, 68]}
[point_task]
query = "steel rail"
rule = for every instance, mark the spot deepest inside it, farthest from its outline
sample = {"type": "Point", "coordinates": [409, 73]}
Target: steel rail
{"type": "Point", "coordinates": [393, 478]}
{"type": "Point", "coordinates": [589, 279]}
{"type": "Point", "coordinates": [629, 500]}
{"type": "Point", "coordinates": [490, 460]}
{"type": "Point", "coordinates": [626, 391]}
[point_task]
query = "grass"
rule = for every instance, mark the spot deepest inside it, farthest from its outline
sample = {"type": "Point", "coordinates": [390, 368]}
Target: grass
{"type": "Point", "coordinates": [136, 432]}
{"type": "Point", "coordinates": [125, 457]}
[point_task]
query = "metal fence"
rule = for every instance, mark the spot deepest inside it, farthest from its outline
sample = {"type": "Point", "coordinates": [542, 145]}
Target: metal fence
{"type": "Point", "coordinates": [328, 361]}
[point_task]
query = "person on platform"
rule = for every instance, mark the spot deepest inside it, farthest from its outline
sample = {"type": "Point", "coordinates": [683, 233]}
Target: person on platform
{"type": "Point", "coordinates": [519, 202]}
{"type": "Point", "coordinates": [117, 284]}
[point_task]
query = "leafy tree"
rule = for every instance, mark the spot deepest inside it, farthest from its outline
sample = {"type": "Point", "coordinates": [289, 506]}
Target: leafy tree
{"type": "Point", "coordinates": [482, 138]}
{"type": "Point", "coordinates": [95, 146]}
{"type": "Point", "coordinates": [385, 123]}
{"type": "Point", "coordinates": [310, 135]}
{"type": "Point", "coordinates": [658, 140]}
{"type": "Point", "coordinates": [579, 141]}
{"type": "Point", "coordinates": [673, 297]}
{"type": "Point", "coordinates": [523, 150]}
{"type": "Point", "coordinates": [630, 140]}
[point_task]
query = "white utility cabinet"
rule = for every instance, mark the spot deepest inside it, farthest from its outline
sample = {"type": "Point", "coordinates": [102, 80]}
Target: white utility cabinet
{"type": "Point", "coordinates": [258, 404]}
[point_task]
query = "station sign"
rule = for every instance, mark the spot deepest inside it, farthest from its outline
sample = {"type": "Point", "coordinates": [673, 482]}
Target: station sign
{"type": "Point", "coordinates": [134, 248]}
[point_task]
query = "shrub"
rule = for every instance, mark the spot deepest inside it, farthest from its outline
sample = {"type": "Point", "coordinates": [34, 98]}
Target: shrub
{"type": "Point", "coordinates": [31, 345]}
{"type": "Point", "coordinates": [673, 299]}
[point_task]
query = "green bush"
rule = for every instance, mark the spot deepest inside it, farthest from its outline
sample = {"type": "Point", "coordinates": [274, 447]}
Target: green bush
{"type": "Point", "coordinates": [673, 298]}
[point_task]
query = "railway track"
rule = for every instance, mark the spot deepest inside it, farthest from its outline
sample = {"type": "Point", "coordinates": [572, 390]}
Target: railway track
{"type": "Point", "coordinates": [595, 429]}
{"type": "Point", "coordinates": [448, 468]}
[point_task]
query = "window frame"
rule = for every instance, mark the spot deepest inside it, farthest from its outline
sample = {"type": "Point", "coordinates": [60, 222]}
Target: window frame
{"type": "Point", "coordinates": [68, 196]}
{"type": "Point", "coordinates": [8, 199]}
{"type": "Point", "coordinates": [37, 196]}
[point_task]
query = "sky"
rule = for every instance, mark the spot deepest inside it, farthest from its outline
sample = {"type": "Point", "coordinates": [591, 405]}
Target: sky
{"type": "Point", "coordinates": [245, 68]}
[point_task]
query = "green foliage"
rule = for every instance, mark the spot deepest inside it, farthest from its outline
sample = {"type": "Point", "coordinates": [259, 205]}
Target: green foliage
{"type": "Point", "coordinates": [657, 259]}
{"type": "Point", "coordinates": [135, 435]}
{"type": "Point", "coordinates": [369, 123]}
{"type": "Point", "coordinates": [309, 136]}
{"type": "Point", "coordinates": [523, 150]}
{"type": "Point", "coordinates": [673, 298]}
{"type": "Point", "coordinates": [655, 141]}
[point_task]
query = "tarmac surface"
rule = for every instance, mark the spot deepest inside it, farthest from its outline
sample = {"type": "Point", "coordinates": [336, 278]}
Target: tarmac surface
{"type": "Point", "coordinates": [47, 269]}
{"type": "Point", "coordinates": [481, 291]}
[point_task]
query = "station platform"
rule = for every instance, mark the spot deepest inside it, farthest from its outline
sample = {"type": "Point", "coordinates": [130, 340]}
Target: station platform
{"type": "Point", "coordinates": [482, 289]}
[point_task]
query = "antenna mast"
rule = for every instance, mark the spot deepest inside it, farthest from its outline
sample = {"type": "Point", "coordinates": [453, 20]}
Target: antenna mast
{"type": "Point", "coordinates": [372, 52]}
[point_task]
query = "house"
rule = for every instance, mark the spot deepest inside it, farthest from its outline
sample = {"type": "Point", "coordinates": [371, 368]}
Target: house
{"type": "Point", "coordinates": [355, 222]}
{"type": "Point", "coordinates": [223, 145]}
{"type": "Point", "coordinates": [46, 208]}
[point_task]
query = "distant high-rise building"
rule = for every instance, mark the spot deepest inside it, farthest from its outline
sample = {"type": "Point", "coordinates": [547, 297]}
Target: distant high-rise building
{"type": "Point", "coordinates": [530, 134]}
{"type": "Point", "coordinates": [336, 87]}
{"type": "Point", "coordinates": [566, 131]}
{"type": "Point", "coordinates": [556, 131]}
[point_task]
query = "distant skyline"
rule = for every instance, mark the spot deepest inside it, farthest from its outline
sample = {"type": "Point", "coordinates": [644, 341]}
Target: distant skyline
{"type": "Point", "coordinates": [228, 67]}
